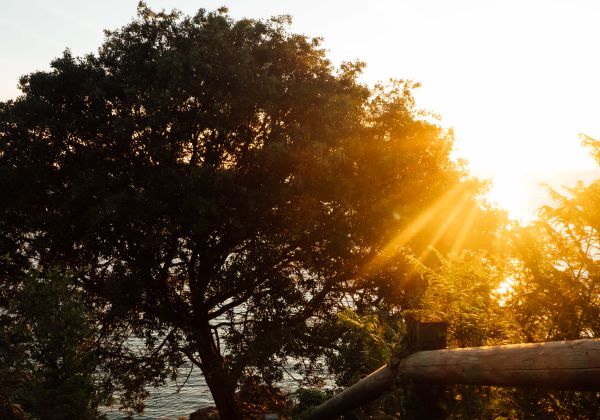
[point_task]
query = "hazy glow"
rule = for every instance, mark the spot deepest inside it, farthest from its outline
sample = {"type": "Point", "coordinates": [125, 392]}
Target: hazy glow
{"type": "Point", "coordinates": [455, 208]}
{"type": "Point", "coordinates": [516, 79]}
{"type": "Point", "coordinates": [409, 232]}
{"type": "Point", "coordinates": [503, 291]}
{"type": "Point", "coordinates": [449, 205]}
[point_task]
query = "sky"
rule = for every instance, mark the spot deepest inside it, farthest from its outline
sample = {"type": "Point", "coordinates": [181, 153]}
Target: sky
{"type": "Point", "coordinates": [517, 80]}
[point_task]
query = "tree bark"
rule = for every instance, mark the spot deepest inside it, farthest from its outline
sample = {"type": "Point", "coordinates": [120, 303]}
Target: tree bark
{"type": "Point", "coordinates": [222, 386]}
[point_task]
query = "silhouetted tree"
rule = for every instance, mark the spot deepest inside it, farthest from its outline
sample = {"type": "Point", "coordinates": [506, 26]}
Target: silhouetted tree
{"type": "Point", "coordinates": [218, 185]}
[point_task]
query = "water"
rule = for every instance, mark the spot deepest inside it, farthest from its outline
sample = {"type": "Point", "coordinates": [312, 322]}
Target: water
{"type": "Point", "coordinates": [166, 403]}
{"type": "Point", "coordinates": [173, 401]}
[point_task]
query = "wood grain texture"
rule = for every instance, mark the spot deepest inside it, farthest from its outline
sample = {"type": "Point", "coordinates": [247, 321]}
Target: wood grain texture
{"type": "Point", "coordinates": [365, 390]}
{"type": "Point", "coordinates": [557, 365]}
{"type": "Point", "coordinates": [554, 365]}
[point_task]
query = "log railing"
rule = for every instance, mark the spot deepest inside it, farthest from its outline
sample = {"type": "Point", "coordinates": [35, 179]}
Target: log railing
{"type": "Point", "coordinates": [573, 365]}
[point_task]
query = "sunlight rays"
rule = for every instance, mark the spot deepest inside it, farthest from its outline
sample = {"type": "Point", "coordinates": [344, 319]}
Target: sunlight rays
{"type": "Point", "coordinates": [464, 197]}
{"type": "Point", "coordinates": [446, 209]}
{"type": "Point", "coordinates": [465, 229]}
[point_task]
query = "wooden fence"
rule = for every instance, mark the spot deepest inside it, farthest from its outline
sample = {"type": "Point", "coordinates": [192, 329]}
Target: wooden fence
{"type": "Point", "coordinates": [571, 365]}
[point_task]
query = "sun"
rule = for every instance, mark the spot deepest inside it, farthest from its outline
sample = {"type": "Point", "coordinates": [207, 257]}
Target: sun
{"type": "Point", "coordinates": [522, 193]}
{"type": "Point", "coordinates": [520, 160]}
{"type": "Point", "coordinates": [515, 192]}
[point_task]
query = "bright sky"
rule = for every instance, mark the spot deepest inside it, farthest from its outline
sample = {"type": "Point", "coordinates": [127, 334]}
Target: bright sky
{"type": "Point", "coordinates": [518, 80]}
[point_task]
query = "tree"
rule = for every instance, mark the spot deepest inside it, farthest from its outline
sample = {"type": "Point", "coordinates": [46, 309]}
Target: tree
{"type": "Point", "coordinates": [46, 363]}
{"type": "Point", "coordinates": [462, 292]}
{"type": "Point", "coordinates": [218, 185]}
{"type": "Point", "coordinates": [556, 286]}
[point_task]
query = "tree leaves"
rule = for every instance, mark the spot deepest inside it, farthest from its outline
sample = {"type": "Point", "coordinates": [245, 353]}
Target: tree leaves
{"type": "Point", "coordinates": [215, 178]}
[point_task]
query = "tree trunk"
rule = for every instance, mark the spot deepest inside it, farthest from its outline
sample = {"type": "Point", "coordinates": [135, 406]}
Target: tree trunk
{"type": "Point", "coordinates": [219, 381]}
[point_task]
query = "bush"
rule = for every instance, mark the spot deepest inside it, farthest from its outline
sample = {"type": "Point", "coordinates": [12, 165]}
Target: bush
{"type": "Point", "coordinates": [47, 367]}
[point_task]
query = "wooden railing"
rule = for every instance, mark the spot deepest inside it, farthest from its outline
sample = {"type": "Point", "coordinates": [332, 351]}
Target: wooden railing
{"type": "Point", "coordinates": [571, 365]}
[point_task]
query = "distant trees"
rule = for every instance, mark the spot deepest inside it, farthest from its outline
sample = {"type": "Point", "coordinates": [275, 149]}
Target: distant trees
{"type": "Point", "coordinates": [218, 187]}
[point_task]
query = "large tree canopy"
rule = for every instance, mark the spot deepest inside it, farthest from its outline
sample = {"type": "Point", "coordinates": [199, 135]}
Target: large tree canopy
{"type": "Point", "coordinates": [216, 180]}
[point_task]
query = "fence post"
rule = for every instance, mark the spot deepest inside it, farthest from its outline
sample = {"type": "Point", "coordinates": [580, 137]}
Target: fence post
{"type": "Point", "coordinates": [572, 365]}
{"type": "Point", "coordinates": [425, 400]}
{"type": "Point", "coordinates": [420, 336]}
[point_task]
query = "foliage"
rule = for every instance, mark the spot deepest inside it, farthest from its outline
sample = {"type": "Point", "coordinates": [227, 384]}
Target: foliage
{"type": "Point", "coordinates": [220, 187]}
{"type": "Point", "coordinates": [462, 291]}
{"type": "Point", "coordinates": [308, 398]}
{"type": "Point", "coordinates": [257, 399]}
{"type": "Point", "coordinates": [46, 363]}
{"type": "Point", "coordinates": [370, 341]}
{"type": "Point", "coordinates": [550, 277]}
{"type": "Point", "coordinates": [557, 290]}
{"type": "Point", "coordinates": [380, 338]}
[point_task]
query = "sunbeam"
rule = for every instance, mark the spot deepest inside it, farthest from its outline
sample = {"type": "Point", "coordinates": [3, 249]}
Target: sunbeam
{"type": "Point", "coordinates": [454, 199]}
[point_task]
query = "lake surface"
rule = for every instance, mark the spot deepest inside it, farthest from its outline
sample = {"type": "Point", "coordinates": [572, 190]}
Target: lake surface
{"type": "Point", "coordinates": [173, 400]}
{"type": "Point", "coordinates": [166, 403]}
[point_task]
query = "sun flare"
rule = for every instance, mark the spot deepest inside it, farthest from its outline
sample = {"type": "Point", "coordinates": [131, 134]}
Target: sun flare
{"type": "Point", "coordinates": [444, 212]}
